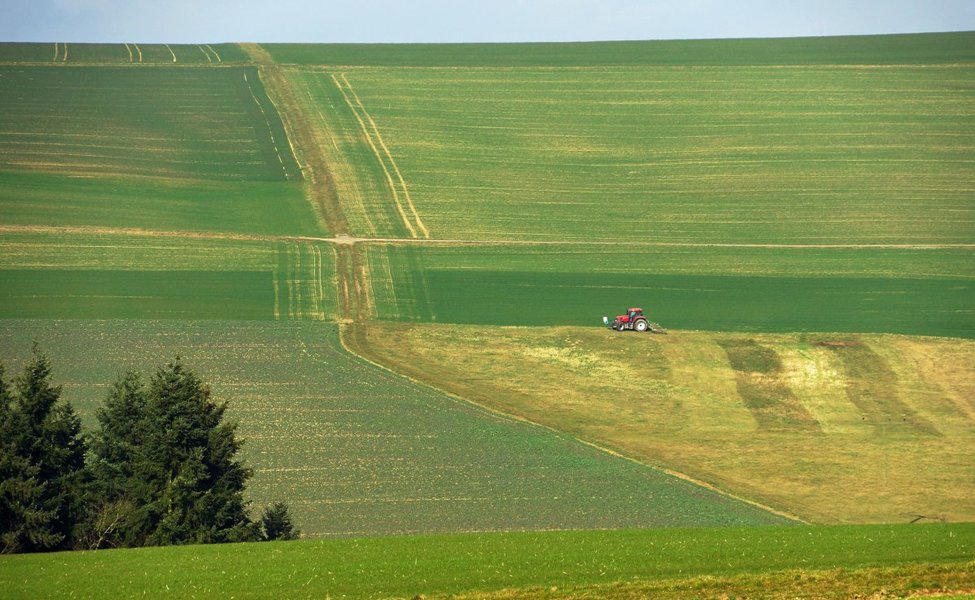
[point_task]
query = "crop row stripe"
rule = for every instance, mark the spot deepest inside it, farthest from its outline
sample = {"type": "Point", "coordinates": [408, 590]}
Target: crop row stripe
{"type": "Point", "coordinates": [129, 50]}
{"type": "Point", "coordinates": [210, 48]}
{"type": "Point", "coordinates": [389, 157]}
{"type": "Point", "coordinates": [170, 51]}
{"type": "Point", "coordinates": [139, 50]}
{"type": "Point", "coordinates": [267, 121]}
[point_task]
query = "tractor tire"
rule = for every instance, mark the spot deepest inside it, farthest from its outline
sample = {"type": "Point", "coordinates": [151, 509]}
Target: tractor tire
{"type": "Point", "coordinates": [640, 325]}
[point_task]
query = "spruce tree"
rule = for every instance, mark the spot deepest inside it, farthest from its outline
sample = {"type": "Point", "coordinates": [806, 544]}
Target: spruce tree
{"type": "Point", "coordinates": [24, 524]}
{"type": "Point", "coordinates": [42, 463]}
{"type": "Point", "coordinates": [164, 456]}
{"type": "Point", "coordinates": [277, 523]}
{"type": "Point", "coordinates": [113, 515]}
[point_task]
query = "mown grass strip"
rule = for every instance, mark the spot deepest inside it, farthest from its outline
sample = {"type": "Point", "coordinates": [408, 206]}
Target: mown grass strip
{"type": "Point", "coordinates": [406, 566]}
{"type": "Point", "coordinates": [674, 400]}
{"type": "Point", "coordinates": [770, 401]}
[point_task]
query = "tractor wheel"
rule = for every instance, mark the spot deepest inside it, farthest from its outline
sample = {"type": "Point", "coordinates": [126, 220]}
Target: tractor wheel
{"type": "Point", "coordinates": [640, 325]}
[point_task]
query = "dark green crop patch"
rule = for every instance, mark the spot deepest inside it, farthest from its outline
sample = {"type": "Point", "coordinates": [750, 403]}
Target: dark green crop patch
{"type": "Point", "coordinates": [104, 294]}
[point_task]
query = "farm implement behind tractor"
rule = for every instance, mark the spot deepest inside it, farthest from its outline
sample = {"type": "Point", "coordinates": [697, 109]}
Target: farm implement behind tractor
{"type": "Point", "coordinates": [633, 320]}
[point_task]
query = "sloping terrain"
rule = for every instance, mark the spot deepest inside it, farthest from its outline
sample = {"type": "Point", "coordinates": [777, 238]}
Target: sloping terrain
{"type": "Point", "coordinates": [356, 450]}
{"type": "Point", "coordinates": [836, 428]}
{"type": "Point", "coordinates": [774, 186]}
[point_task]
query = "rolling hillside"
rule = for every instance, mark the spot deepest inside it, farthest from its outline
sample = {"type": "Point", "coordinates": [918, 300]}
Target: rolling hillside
{"type": "Point", "coordinates": [163, 197]}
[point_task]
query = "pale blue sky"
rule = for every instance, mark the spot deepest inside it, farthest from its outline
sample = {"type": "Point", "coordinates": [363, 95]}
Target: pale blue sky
{"type": "Point", "coordinates": [195, 21]}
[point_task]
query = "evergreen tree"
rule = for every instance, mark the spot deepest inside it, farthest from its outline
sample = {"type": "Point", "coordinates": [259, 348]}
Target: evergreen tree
{"type": "Point", "coordinates": [42, 463]}
{"type": "Point", "coordinates": [277, 523]}
{"type": "Point", "coordinates": [164, 457]}
{"type": "Point", "coordinates": [23, 523]}
{"type": "Point", "coordinates": [113, 516]}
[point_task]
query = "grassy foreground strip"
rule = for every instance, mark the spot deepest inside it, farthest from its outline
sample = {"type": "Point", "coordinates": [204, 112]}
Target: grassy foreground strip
{"type": "Point", "coordinates": [462, 563]}
{"type": "Point", "coordinates": [924, 580]}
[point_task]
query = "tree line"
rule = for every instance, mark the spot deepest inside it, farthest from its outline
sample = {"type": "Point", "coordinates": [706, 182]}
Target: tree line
{"type": "Point", "coordinates": [160, 467]}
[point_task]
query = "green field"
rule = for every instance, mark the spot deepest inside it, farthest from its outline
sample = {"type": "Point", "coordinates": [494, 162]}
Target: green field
{"type": "Point", "coordinates": [822, 562]}
{"type": "Point", "coordinates": [938, 48]}
{"type": "Point", "coordinates": [811, 155]}
{"type": "Point", "coordinates": [107, 274]}
{"type": "Point", "coordinates": [162, 149]}
{"type": "Point", "coordinates": [794, 197]}
{"type": "Point", "coordinates": [750, 194]}
{"type": "Point", "coordinates": [131, 53]}
{"type": "Point", "coordinates": [356, 450]}
{"type": "Point", "coordinates": [920, 292]}
{"type": "Point", "coordinates": [175, 123]}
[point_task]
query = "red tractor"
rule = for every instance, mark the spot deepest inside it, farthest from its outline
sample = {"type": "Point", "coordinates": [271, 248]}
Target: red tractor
{"type": "Point", "coordinates": [633, 320]}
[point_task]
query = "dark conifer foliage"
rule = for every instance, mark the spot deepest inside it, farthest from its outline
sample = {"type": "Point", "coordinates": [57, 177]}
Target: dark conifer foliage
{"type": "Point", "coordinates": [165, 463]}
{"type": "Point", "coordinates": [42, 463]}
{"type": "Point", "coordinates": [277, 523]}
{"type": "Point", "coordinates": [161, 467]}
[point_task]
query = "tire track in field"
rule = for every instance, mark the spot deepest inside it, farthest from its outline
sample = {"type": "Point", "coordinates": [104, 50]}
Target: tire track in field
{"type": "Point", "coordinates": [373, 137]}
{"type": "Point", "coordinates": [205, 53]}
{"type": "Point", "coordinates": [267, 121]}
{"type": "Point", "coordinates": [320, 188]}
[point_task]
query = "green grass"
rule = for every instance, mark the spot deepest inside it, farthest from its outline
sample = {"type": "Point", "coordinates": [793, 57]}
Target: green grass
{"type": "Point", "coordinates": [885, 49]}
{"type": "Point", "coordinates": [569, 286]}
{"type": "Point", "coordinates": [356, 450]}
{"type": "Point", "coordinates": [407, 566]}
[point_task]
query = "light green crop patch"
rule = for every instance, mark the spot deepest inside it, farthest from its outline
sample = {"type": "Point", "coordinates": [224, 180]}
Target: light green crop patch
{"type": "Point", "coordinates": [755, 155]}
